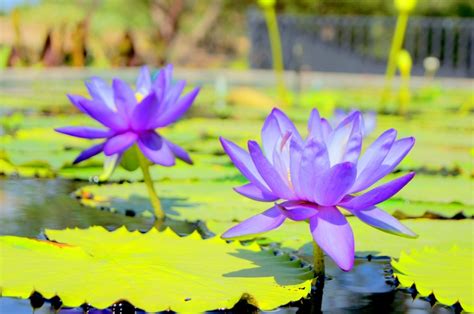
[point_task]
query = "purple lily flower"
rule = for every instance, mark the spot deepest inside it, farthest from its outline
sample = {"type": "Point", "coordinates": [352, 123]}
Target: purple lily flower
{"type": "Point", "coordinates": [316, 176]}
{"type": "Point", "coordinates": [131, 116]}
{"type": "Point", "coordinates": [369, 120]}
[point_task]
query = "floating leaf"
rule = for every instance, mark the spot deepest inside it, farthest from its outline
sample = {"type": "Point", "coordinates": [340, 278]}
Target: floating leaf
{"type": "Point", "coordinates": [153, 271]}
{"type": "Point", "coordinates": [370, 241]}
{"type": "Point", "coordinates": [193, 201]}
{"type": "Point", "coordinates": [207, 200]}
{"type": "Point", "coordinates": [447, 274]}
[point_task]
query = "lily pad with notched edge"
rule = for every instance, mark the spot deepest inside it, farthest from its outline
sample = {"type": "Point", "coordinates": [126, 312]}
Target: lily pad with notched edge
{"type": "Point", "coordinates": [447, 274]}
{"type": "Point", "coordinates": [153, 271]}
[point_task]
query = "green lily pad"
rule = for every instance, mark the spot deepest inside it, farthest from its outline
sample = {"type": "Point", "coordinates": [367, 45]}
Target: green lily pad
{"type": "Point", "coordinates": [438, 189]}
{"type": "Point", "coordinates": [447, 274]}
{"type": "Point", "coordinates": [153, 271]}
{"type": "Point", "coordinates": [201, 200]}
{"type": "Point", "coordinates": [370, 241]}
{"type": "Point", "coordinates": [216, 200]}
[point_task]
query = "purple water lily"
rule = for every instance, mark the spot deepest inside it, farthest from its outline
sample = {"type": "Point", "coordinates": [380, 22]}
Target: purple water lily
{"type": "Point", "coordinates": [131, 117]}
{"type": "Point", "coordinates": [316, 176]}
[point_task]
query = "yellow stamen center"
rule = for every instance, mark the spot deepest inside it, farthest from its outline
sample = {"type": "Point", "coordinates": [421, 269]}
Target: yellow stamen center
{"type": "Point", "coordinates": [139, 97]}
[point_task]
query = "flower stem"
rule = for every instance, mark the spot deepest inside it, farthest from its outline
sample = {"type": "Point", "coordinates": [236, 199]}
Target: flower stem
{"type": "Point", "coordinates": [318, 263]}
{"type": "Point", "coordinates": [155, 201]}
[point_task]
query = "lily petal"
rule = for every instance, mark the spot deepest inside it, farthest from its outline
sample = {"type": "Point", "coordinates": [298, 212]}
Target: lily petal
{"type": "Point", "coordinates": [371, 160]}
{"type": "Point", "coordinates": [85, 132]}
{"type": "Point", "coordinates": [119, 143]}
{"type": "Point", "coordinates": [298, 211]}
{"type": "Point", "coordinates": [144, 111]}
{"type": "Point", "coordinates": [398, 151]}
{"type": "Point", "coordinates": [124, 98]}
{"type": "Point", "coordinates": [268, 173]}
{"type": "Point", "coordinates": [155, 149]}
{"type": "Point", "coordinates": [143, 85]}
{"type": "Point", "coordinates": [378, 194]}
{"type": "Point", "coordinates": [332, 185]}
{"type": "Point", "coordinates": [176, 110]}
{"type": "Point", "coordinates": [333, 234]}
{"type": "Point", "coordinates": [76, 101]}
{"type": "Point", "coordinates": [100, 91]}
{"type": "Point", "coordinates": [314, 162]}
{"type": "Point", "coordinates": [244, 163]}
{"type": "Point", "coordinates": [315, 128]}
{"type": "Point", "coordinates": [379, 219]}
{"type": "Point", "coordinates": [268, 220]}
{"type": "Point", "coordinates": [110, 163]}
{"type": "Point", "coordinates": [88, 153]}
{"type": "Point", "coordinates": [179, 152]}
{"type": "Point", "coordinates": [339, 138]}
{"type": "Point", "coordinates": [103, 114]}
{"type": "Point", "coordinates": [251, 191]}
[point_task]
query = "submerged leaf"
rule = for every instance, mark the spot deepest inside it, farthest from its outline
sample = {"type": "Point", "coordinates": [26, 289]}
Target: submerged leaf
{"type": "Point", "coordinates": [153, 271]}
{"type": "Point", "coordinates": [447, 274]}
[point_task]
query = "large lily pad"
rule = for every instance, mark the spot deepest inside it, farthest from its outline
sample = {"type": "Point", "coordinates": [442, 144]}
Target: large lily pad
{"type": "Point", "coordinates": [206, 200]}
{"type": "Point", "coordinates": [370, 241]}
{"type": "Point", "coordinates": [153, 271]}
{"type": "Point", "coordinates": [216, 200]}
{"type": "Point", "coordinates": [447, 274]}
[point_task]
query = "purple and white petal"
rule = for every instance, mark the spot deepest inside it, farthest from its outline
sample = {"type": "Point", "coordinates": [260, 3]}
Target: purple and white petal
{"type": "Point", "coordinates": [88, 153]}
{"type": "Point", "coordinates": [378, 194]}
{"type": "Point", "coordinates": [297, 210]}
{"type": "Point", "coordinates": [176, 110]}
{"type": "Point", "coordinates": [110, 163]}
{"type": "Point", "coordinates": [252, 191]}
{"type": "Point", "coordinates": [85, 132]}
{"type": "Point", "coordinates": [332, 185]}
{"type": "Point", "coordinates": [124, 98]}
{"type": "Point", "coordinates": [100, 112]}
{"type": "Point", "coordinates": [315, 128]}
{"type": "Point", "coordinates": [268, 220]}
{"type": "Point", "coordinates": [179, 152]}
{"type": "Point", "coordinates": [76, 101]}
{"type": "Point", "coordinates": [285, 124]}
{"type": "Point", "coordinates": [119, 143]}
{"type": "Point", "coordinates": [270, 135]}
{"type": "Point", "coordinates": [314, 162]}
{"type": "Point", "coordinates": [143, 113]}
{"type": "Point", "coordinates": [100, 91]}
{"type": "Point", "coordinates": [333, 234]}
{"type": "Point", "coordinates": [268, 172]}
{"type": "Point", "coordinates": [244, 163]}
{"type": "Point", "coordinates": [379, 219]}
{"type": "Point", "coordinates": [398, 151]}
{"type": "Point", "coordinates": [155, 149]}
{"type": "Point", "coordinates": [296, 152]}
{"type": "Point", "coordinates": [326, 129]}
{"type": "Point", "coordinates": [143, 85]}
{"type": "Point", "coordinates": [339, 138]}
{"type": "Point", "coordinates": [371, 160]}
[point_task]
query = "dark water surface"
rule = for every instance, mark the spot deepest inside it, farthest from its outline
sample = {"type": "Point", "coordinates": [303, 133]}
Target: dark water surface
{"type": "Point", "coordinates": [29, 206]}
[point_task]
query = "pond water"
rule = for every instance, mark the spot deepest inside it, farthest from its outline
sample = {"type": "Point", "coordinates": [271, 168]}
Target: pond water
{"type": "Point", "coordinates": [31, 205]}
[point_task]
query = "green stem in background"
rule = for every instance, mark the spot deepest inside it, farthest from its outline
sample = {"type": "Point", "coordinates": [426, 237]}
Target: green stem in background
{"type": "Point", "coordinates": [318, 261]}
{"type": "Point", "coordinates": [277, 58]}
{"type": "Point", "coordinates": [404, 65]}
{"type": "Point", "coordinates": [155, 201]}
{"type": "Point", "coordinates": [397, 42]}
